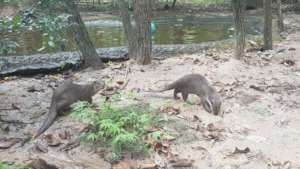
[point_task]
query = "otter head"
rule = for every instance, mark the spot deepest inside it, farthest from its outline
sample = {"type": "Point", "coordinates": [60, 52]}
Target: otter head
{"type": "Point", "coordinates": [212, 103]}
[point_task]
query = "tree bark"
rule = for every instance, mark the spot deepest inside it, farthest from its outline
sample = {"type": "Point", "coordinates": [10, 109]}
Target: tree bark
{"type": "Point", "coordinates": [128, 29]}
{"type": "Point", "coordinates": [268, 44]}
{"type": "Point", "coordinates": [279, 16]}
{"type": "Point", "coordinates": [142, 15]}
{"type": "Point", "coordinates": [239, 23]}
{"type": "Point", "coordinates": [89, 56]}
{"type": "Point", "coordinates": [174, 3]}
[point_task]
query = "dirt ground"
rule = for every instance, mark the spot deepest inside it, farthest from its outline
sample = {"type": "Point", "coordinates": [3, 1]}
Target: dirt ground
{"type": "Point", "coordinates": [259, 129]}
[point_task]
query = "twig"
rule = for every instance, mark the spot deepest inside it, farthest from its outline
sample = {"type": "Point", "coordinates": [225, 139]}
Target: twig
{"type": "Point", "coordinates": [14, 121]}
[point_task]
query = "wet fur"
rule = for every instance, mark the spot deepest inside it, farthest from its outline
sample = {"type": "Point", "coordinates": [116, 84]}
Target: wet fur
{"type": "Point", "coordinates": [64, 96]}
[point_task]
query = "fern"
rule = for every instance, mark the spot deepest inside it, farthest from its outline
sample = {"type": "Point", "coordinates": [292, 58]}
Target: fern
{"type": "Point", "coordinates": [121, 127]}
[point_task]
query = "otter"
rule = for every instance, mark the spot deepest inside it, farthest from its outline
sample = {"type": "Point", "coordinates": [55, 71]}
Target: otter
{"type": "Point", "coordinates": [64, 96]}
{"type": "Point", "coordinates": [198, 85]}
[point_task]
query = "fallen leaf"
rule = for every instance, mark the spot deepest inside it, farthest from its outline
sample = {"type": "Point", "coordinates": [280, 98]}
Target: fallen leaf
{"type": "Point", "coordinates": [292, 49]}
{"type": "Point", "coordinates": [70, 145]}
{"type": "Point", "coordinates": [258, 88]}
{"type": "Point", "coordinates": [157, 147]}
{"type": "Point", "coordinates": [196, 118]}
{"type": "Point", "coordinates": [31, 89]}
{"type": "Point", "coordinates": [14, 106]}
{"type": "Point", "coordinates": [215, 127]}
{"type": "Point", "coordinates": [52, 140]}
{"type": "Point", "coordinates": [288, 62]}
{"type": "Point", "coordinates": [241, 151]}
{"type": "Point", "coordinates": [65, 135]}
{"type": "Point", "coordinates": [120, 82]}
{"type": "Point", "coordinates": [151, 129]}
{"type": "Point", "coordinates": [196, 61]}
{"type": "Point", "coordinates": [170, 110]}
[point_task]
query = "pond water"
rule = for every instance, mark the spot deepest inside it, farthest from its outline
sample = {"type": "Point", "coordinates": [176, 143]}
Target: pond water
{"type": "Point", "coordinates": [170, 30]}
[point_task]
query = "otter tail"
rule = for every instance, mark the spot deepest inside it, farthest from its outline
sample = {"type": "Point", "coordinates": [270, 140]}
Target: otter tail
{"type": "Point", "coordinates": [167, 87]}
{"type": "Point", "coordinates": [48, 121]}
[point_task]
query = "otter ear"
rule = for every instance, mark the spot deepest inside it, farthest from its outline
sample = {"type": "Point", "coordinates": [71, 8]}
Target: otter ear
{"type": "Point", "coordinates": [207, 105]}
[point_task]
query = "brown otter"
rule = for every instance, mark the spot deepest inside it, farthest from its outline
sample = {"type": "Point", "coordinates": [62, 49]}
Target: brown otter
{"type": "Point", "coordinates": [65, 95]}
{"type": "Point", "coordinates": [198, 85]}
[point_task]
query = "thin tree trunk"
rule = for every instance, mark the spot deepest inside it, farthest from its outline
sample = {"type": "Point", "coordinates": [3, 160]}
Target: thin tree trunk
{"type": "Point", "coordinates": [89, 56]}
{"type": "Point", "coordinates": [128, 29]}
{"type": "Point", "coordinates": [142, 14]}
{"type": "Point", "coordinates": [268, 44]}
{"type": "Point", "coordinates": [239, 23]}
{"type": "Point", "coordinates": [174, 3]}
{"type": "Point", "coordinates": [280, 16]}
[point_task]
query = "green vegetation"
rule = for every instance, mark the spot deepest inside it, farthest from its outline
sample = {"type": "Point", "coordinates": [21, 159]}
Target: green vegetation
{"type": "Point", "coordinates": [5, 166]}
{"type": "Point", "coordinates": [121, 127]}
{"type": "Point", "coordinates": [39, 18]}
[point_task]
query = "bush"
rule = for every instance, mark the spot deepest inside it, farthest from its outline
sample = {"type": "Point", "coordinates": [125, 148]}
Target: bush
{"type": "Point", "coordinates": [120, 127]}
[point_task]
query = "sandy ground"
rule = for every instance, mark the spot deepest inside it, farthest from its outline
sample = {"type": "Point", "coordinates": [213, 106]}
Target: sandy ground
{"type": "Point", "coordinates": [261, 102]}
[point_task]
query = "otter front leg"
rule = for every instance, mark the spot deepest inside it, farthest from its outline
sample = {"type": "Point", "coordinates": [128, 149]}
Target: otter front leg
{"type": "Point", "coordinates": [175, 94]}
{"type": "Point", "coordinates": [184, 96]}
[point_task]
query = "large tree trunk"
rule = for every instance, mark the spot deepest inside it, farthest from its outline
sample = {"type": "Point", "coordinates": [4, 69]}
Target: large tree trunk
{"type": "Point", "coordinates": [268, 44]}
{"type": "Point", "coordinates": [239, 23]}
{"type": "Point", "coordinates": [279, 16]}
{"type": "Point", "coordinates": [89, 55]}
{"type": "Point", "coordinates": [129, 30]}
{"type": "Point", "coordinates": [142, 15]}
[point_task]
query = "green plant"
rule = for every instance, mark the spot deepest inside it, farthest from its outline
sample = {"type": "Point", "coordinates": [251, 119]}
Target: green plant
{"type": "Point", "coordinates": [5, 166]}
{"type": "Point", "coordinates": [121, 127]}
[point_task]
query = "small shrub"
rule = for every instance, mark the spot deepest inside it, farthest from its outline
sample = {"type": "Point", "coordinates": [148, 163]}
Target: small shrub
{"type": "Point", "coordinates": [121, 127]}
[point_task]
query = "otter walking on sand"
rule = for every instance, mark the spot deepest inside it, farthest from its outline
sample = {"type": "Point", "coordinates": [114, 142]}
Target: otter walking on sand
{"type": "Point", "coordinates": [198, 85]}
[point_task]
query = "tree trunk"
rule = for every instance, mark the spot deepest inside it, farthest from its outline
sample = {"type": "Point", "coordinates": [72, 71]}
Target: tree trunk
{"type": "Point", "coordinates": [129, 30]}
{"type": "Point", "coordinates": [174, 3]}
{"type": "Point", "coordinates": [142, 15]}
{"type": "Point", "coordinates": [268, 44]}
{"type": "Point", "coordinates": [279, 16]}
{"type": "Point", "coordinates": [239, 23]}
{"type": "Point", "coordinates": [89, 55]}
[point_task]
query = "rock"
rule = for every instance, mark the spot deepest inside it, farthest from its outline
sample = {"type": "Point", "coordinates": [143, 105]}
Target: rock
{"type": "Point", "coordinates": [41, 164]}
{"type": "Point", "coordinates": [57, 62]}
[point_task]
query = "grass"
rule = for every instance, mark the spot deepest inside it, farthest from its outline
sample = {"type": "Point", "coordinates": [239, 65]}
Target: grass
{"type": "Point", "coordinates": [121, 127]}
